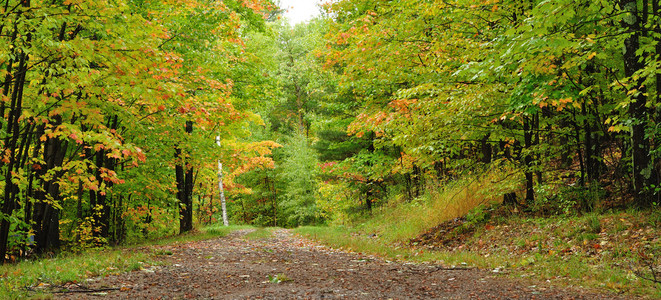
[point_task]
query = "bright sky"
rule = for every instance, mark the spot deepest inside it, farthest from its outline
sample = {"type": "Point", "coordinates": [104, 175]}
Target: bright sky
{"type": "Point", "coordinates": [300, 10]}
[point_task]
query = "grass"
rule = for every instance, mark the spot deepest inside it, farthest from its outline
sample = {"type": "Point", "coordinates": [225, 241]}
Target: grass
{"type": "Point", "coordinates": [594, 250]}
{"type": "Point", "coordinates": [402, 220]}
{"type": "Point", "coordinates": [260, 234]}
{"type": "Point", "coordinates": [28, 279]}
{"type": "Point", "coordinates": [279, 278]}
{"type": "Point", "coordinates": [16, 280]}
{"type": "Point", "coordinates": [204, 233]}
{"type": "Point", "coordinates": [343, 238]}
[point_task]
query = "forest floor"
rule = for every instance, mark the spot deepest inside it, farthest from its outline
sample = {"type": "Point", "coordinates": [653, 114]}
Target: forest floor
{"type": "Point", "coordinates": [281, 265]}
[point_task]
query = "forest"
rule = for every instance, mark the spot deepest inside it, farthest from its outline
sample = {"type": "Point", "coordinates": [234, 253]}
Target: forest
{"type": "Point", "coordinates": [116, 114]}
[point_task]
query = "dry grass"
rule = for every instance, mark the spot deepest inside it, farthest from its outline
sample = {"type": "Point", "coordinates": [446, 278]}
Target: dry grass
{"type": "Point", "coordinates": [401, 220]}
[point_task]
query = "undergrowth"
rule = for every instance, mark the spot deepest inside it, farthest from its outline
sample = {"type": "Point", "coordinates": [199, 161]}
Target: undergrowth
{"type": "Point", "coordinates": [403, 220]}
{"type": "Point", "coordinates": [599, 249]}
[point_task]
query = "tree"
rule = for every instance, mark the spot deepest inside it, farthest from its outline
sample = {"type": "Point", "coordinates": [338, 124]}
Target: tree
{"type": "Point", "coordinates": [459, 84]}
{"type": "Point", "coordinates": [644, 175]}
{"type": "Point", "coordinates": [86, 87]}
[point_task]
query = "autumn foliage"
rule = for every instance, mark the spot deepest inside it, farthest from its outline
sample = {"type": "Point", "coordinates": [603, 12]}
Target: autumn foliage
{"type": "Point", "coordinates": [95, 97]}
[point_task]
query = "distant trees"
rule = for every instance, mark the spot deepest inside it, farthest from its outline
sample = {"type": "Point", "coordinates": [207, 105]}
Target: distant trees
{"type": "Point", "coordinates": [286, 196]}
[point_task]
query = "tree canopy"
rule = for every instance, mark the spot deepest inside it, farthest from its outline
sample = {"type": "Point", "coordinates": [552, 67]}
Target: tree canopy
{"type": "Point", "coordinates": [110, 110]}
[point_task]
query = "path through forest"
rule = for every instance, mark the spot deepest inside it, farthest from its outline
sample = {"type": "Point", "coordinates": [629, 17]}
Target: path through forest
{"type": "Point", "coordinates": [286, 266]}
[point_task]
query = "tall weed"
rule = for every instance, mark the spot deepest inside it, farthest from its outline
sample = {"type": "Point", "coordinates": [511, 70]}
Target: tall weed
{"type": "Point", "coordinates": [403, 220]}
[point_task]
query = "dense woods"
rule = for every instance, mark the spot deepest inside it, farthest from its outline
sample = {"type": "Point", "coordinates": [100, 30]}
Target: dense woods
{"type": "Point", "coordinates": [110, 111]}
{"type": "Point", "coordinates": [560, 97]}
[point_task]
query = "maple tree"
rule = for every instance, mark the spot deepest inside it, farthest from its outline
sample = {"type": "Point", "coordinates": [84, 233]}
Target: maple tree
{"type": "Point", "coordinates": [95, 98]}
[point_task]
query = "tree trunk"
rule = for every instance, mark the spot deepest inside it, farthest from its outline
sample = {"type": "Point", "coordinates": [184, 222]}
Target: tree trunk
{"type": "Point", "coordinates": [368, 196]}
{"type": "Point", "coordinates": [527, 159]}
{"type": "Point", "coordinates": [274, 201]}
{"type": "Point", "coordinates": [536, 142]}
{"type": "Point", "coordinates": [221, 189]}
{"type": "Point", "coordinates": [417, 180]}
{"type": "Point", "coordinates": [486, 150]}
{"type": "Point", "coordinates": [643, 170]}
{"type": "Point", "coordinates": [657, 162]}
{"type": "Point", "coordinates": [100, 206]}
{"type": "Point", "coordinates": [184, 177]}
{"type": "Point", "coordinates": [46, 215]}
{"type": "Point", "coordinates": [13, 128]}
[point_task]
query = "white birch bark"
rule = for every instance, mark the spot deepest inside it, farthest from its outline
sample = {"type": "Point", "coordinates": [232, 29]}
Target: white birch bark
{"type": "Point", "coordinates": [220, 188]}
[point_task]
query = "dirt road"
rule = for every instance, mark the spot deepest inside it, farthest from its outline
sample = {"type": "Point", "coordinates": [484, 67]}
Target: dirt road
{"type": "Point", "coordinates": [288, 267]}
